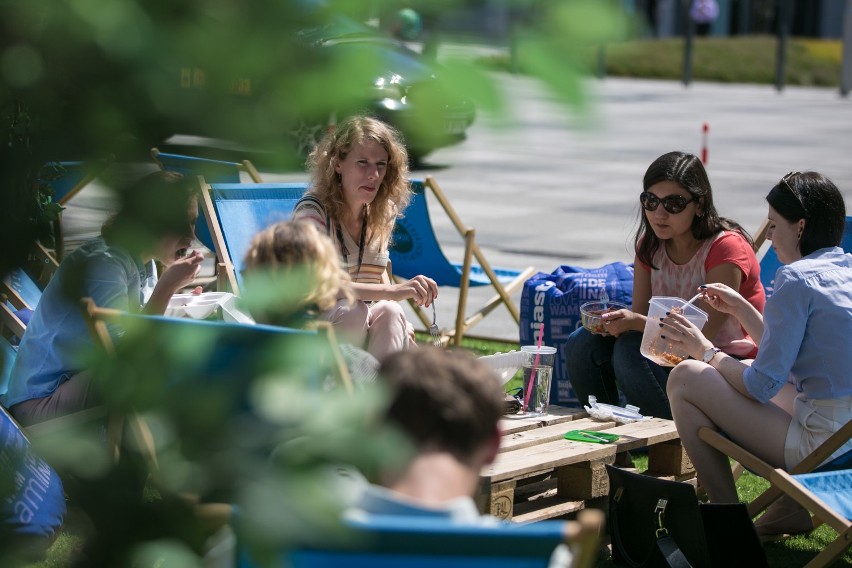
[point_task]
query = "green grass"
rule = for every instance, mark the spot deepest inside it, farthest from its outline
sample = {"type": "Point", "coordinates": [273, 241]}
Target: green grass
{"type": "Point", "coordinates": [738, 59]}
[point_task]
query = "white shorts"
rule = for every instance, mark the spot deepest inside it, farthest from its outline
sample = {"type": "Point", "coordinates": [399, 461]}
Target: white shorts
{"type": "Point", "coordinates": [814, 421]}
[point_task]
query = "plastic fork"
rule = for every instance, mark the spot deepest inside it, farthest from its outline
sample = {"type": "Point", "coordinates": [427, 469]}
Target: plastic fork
{"type": "Point", "coordinates": [434, 331]}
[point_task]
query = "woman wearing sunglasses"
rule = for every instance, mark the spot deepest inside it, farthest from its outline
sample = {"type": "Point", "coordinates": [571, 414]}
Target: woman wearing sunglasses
{"type": "Point", "coordinates": [681, 243]}
{"type": "Point", "coordinates": [798, 391]}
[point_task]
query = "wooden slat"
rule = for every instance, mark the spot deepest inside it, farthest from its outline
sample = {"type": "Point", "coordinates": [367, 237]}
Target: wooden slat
{"type": "Point", "coordinates": [541, 457]}
{"type": "Point", "coordinates": [526, 438]}
{"type": "Point", "coordinates": [536, 459]}
{"type": "Point", "coordinates": [555, 415]}
{"type": "Point", "coordinates": [556, 506]}
{"type": "Point", "coordinates": [644, 433]}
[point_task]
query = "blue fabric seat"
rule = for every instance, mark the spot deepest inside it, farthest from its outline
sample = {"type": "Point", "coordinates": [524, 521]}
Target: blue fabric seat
{"type": "Point", "coordinates": [385, 541]}
{"type": "Point", "coordinates": [236, 212]}
{"type": "Point", "coordinates": [20, 289]}
{"type": "Point", "coordinates": [200, 377]}
{"type": "Point", "coordinates": [416, 250]}
{"type": "Point", "coordinates": [213, 171]}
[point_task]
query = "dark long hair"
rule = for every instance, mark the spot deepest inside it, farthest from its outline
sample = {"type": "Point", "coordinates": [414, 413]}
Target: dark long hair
{"type": "Point", "coordinates": [687, 171]}
{"type": "Point", "coordinates": [813, 197]}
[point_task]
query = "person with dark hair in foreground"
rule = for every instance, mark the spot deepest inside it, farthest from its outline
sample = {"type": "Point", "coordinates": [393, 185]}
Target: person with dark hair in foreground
{"type": "Point", "coordinates": [448, 404]}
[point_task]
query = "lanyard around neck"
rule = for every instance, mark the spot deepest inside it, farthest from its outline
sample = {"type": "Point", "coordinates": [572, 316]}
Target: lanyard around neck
{"type": "Point", "coordinates": [344, 252]}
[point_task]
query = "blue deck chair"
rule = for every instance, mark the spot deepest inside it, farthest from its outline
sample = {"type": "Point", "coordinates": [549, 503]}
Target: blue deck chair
{"type": "Point", "coordinates": [416, 250]}
{"type": "Point", "coordinates": [385, 541]}
{"type": "Point", "coordinates": [769, 263]}
{"type": "Point", "coordinates": [821, 483]}
{"type": "Point", "coordinates": [11, 328]}
{"type": "Point", "coordinates": [235, 212]}
{"type": "Point", "coordinates": [213, 171]}
{"type": "Point", "coordinates": [66, 179]}
{"type": "Point", "coordinates": [203, 374]}
{"type": "Point", "coordinates": [20, 290]}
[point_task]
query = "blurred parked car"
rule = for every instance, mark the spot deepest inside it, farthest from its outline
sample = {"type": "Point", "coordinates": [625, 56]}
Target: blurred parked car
{"type": "Point", "coordinates": [394, 83]}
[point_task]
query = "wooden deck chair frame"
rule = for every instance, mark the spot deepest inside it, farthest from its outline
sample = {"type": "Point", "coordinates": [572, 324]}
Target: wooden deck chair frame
{"type": "Point", "coordinates": [211, 516]}
{"type": "Point", "coordinates": [244, 166]}
{"type": "Point", "coordinates": [784, 483]}
{"type": "Point", "coordinates": [385, 541]}
{"type": "Point", "coordinates": [43, 264]}
{"type": "Point", "coordinates": [464, 323]}
{"type": "Point", "coordinates": [96, 319]}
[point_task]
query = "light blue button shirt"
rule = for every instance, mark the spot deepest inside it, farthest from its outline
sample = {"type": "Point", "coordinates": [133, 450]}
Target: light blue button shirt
{"type": "Point", "coordinates": [807, 337]}
{"type": "Point", "coordinates": [57, 340]}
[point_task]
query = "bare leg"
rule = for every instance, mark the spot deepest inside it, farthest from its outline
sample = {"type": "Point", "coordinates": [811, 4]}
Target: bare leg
{"type": "Point", "coordinates": [701, 397]}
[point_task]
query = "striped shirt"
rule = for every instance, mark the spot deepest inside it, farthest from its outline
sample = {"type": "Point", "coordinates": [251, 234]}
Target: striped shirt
{"type": "Point", "coordinates": [375, 258]}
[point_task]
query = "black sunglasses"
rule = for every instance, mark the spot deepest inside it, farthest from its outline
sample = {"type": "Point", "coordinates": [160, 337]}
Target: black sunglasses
{"type": "Point", "coordinates": [674, 204]}
{"type": "Point", "coordinates": [785, 181]}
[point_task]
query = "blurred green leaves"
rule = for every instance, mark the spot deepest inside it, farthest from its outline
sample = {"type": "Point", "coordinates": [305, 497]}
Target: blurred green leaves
{"type": "Point", "coordinates": [555, 47]}
{"type": "Point", "coordinates": [249, 423]}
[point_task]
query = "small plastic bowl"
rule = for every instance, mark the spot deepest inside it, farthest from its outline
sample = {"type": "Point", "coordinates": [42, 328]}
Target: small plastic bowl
{"type": "Point", "coordinates": [590, 314]}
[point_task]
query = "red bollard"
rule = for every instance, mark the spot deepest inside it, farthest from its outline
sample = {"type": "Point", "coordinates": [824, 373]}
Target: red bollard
{"type": "Point", "coordinates": [704, 131]}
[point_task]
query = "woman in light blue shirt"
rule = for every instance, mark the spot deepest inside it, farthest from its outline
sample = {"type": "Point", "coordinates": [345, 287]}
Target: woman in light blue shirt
{"type": "Point", "coordinates": [798, 391]}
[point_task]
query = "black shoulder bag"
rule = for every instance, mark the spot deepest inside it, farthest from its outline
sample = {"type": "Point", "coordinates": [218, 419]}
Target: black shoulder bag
{"type": "Point", "coordinates": [656, 523]}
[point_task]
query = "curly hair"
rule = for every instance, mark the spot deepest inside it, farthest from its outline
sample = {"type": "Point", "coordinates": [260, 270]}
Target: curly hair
{"type": "Point", "coordinates": [687, 171]}
{"type": "Point", "coordinates": [299, 249]}
{"type": "Point", "coordinates": [393, 194]}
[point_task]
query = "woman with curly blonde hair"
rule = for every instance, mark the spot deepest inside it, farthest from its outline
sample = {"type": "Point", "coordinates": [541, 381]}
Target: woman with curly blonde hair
{"type": "Point", "coordinates": [359, 188]}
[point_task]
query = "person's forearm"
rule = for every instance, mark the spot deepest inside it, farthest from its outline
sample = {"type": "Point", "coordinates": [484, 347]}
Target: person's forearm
{"type": "Point", "coordinates": [371, 292]}
{"type": "Point", "coordinates": [751, 320]}
{"type": "Point", "coordinates": [158, 302]}
{"type": "Point", "coordinates": [732, 370]}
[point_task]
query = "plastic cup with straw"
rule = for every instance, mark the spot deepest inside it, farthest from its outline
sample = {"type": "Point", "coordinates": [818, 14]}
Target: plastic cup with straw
{"type": "Point", "coordinates": [529, 388]}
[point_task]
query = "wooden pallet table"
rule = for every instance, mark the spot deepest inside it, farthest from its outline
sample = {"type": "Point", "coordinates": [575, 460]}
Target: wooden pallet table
{"type": "Point", "coordinates": [540, 475]}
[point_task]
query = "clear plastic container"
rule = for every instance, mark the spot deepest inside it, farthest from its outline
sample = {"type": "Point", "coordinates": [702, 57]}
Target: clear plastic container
{"type": "Point", "coordinates": [662, 351]}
